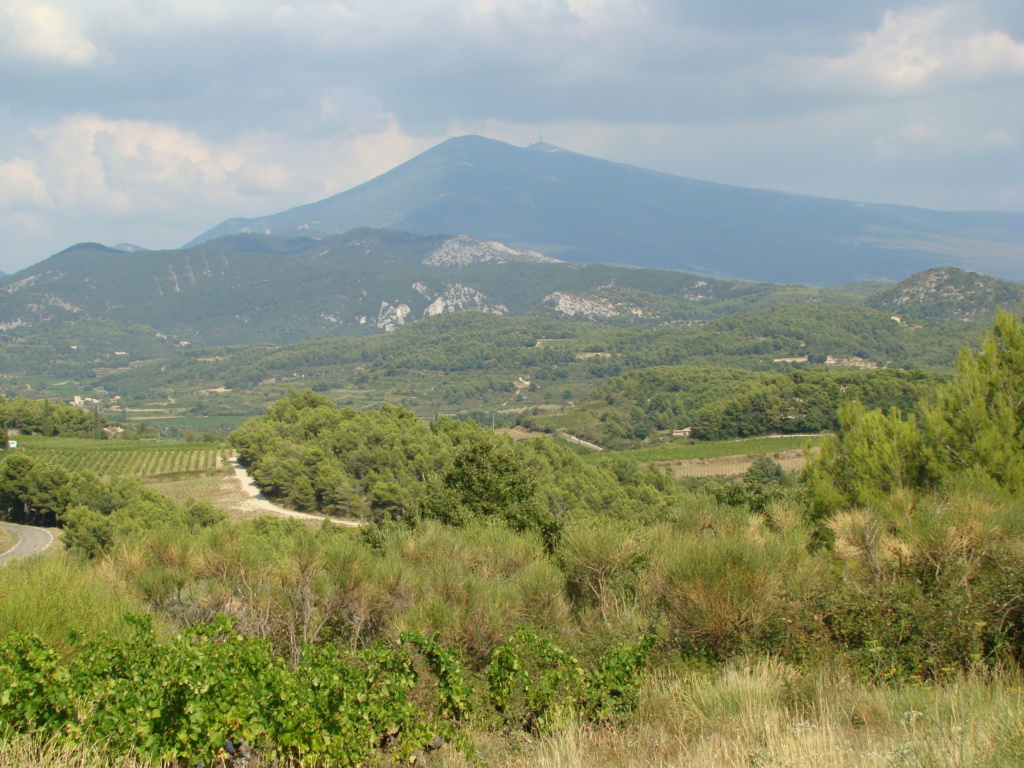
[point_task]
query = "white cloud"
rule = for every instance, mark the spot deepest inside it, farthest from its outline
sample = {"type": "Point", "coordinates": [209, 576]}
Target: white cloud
{"type": "Point", "coordinates": [111, 180]}
{"type": "Point", "coordinates": [589, 10]}
{"type": "Point", "coordinates": [917, 47]}
{"type": "Point", "coordinates": [21, 186]}
{"type": "Point", "coordinates": [122, 166]}
{"type": "Point", "coordinates": [42, 30]}
{"type": "Point", "coordinates": [164, 117]}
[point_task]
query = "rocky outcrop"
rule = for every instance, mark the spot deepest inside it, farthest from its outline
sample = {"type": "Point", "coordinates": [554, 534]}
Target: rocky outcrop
{"type": "Point", "coordinates": [458, 298]}
{"type": "Point", "coordinates": [701, 291]}
{"type": "Point", "coordinates": [946, 294]}
{"type": "Point", "coordinates": [390, 317]}
{"type": "Point", "coordinates": [573, 304]}
{"type": "Point", "coordinates": [462, 250]}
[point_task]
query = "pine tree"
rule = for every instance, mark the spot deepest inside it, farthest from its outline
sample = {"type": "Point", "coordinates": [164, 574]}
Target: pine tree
{"type": "Point", "coordinates": [873, 455]}
{"type": "Point", "coordinates": [46, 420]}
{"type": "Point", "coordinates": [975, 424]}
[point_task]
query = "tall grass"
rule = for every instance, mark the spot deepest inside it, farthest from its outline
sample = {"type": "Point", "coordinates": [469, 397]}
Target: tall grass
{"type": "Point", "coordinates": [7, 540]}
{"type": "Point", "coordinates": [56, 596]}
{"type": "Point", "coordinates": [767, 714]}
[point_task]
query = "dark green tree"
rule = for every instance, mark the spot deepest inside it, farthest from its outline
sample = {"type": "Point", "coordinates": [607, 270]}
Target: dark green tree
{"type": "Point", "coordinates": [488, 478]}
{"type": "Point", "coordinates": [46, 421]}
{"type": "Point", "coordinates": [975, 424]}
{"type": "Point", "coordinates": [764, 470]}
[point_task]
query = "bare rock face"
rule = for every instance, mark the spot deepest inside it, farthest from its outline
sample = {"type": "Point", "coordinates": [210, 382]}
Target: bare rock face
{"type": "Point", "coordinates": [390, 317]}
{"type": "Point", "coordinates": [423, 290]}
{"type": "Point", "coordinates": [462, 250]}
{"type": "Point", "coordinates": [573, 304]}
{"type": "Point", "coordinates": [458, 298]}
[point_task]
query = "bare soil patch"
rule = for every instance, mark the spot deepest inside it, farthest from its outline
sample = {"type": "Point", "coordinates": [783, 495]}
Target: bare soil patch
{"type": "Point", "coordinates": [231, 489]}
{"type": "Point", "coordinates": [730, 466]}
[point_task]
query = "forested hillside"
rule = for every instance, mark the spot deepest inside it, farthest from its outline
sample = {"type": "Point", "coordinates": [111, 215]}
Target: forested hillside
{"type": "Point", "coordinates": [946, 294]}
{"type": "Point", "coordinates": [721, 403]}
{"type": "Point", "coordinates": [549, 349]}
{"type": "Point", "coordinates": [388, 465]}
{"type": "Point", "coordinates": [490, 367]}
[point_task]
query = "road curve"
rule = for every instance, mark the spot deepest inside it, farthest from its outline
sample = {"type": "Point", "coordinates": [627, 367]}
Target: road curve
{"type": "Point", "coordinates": [31, 541]}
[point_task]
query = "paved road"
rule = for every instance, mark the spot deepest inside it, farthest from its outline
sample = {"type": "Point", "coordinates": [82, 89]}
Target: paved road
{"type": "Point", "coordinates": [30, 541]}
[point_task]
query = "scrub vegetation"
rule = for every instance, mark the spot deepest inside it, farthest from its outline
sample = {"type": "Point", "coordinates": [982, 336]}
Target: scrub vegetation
{"type": "Point", "coordinates": [510, 603]}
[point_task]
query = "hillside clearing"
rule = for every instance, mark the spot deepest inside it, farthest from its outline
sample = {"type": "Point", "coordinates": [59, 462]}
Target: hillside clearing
{"type": "Point", "coordinates": [792, 461]}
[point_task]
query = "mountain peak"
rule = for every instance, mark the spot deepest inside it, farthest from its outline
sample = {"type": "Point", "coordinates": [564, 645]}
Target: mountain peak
{"type": "Point", "coordinates": [89, 247]}
{"type": "Point", "coordinates": [587, 210]}
{"type": "Point", "coordinates": [543, 146]}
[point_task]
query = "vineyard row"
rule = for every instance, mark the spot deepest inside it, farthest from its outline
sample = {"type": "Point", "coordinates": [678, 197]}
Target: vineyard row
{"type": "Point", "coordinates": [142, 462]}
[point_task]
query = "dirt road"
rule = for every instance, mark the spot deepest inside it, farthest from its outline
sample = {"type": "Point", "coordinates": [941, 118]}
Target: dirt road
{"type": "Point", "coordinates": [257, 502]}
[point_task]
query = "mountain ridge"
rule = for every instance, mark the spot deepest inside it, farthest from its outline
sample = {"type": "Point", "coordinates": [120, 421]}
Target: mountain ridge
{"type": "Point", "coordinates": [587, 210]}
{"type": "Point", "coordinates": [249, 288]}
{"type": "Point", "coordinates": [261, 289]}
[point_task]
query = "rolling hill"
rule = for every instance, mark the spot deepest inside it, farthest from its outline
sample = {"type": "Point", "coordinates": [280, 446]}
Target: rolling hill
{"type": "Point", "coordinates": [946, 294]}
{"type": "Point", "coordinates": [586, 210]}
{"type": "Point", "coordinates": [247, 288]}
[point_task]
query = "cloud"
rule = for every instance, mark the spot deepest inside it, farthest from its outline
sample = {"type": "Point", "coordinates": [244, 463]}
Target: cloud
{"type": "Point", "coordinates": [164, 117]}
{"type": "Point", "coordinates": [123, 166]}
{"type": "Point", "coordinates": [44, 31]}
{"type": "Point", "coordinates": [920, 47]}
{"type": "Point", "coordinates": [21, 185]}
{"type": "Point", "coordinates": [86, 177]}
{"type": "Point", "coordinates": [85, 162]}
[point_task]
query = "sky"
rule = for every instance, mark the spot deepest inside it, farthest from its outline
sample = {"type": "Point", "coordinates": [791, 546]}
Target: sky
{"type": "Point", "coordinates": [151, 121]}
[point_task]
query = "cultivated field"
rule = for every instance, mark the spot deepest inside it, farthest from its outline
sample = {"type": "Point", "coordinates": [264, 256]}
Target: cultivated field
{"type": "Point", "coordinates": [111, 457]}
{"type": "Point", "coordinates": [183, 471]}
{"type": "Point", "coordinates": [729, 466]}
{"type": "Point", "coordinates": [723, 449]}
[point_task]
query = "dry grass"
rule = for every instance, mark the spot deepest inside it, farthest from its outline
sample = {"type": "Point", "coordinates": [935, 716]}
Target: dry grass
{"type": "Point", "coordinates": [27, 752]}
{"type": "Point", "coordinates": [218, 486]}
{"type": "Point", "coordinates": [7, 541]}
{"type": "Point", "coordinates": [769, 715]}
{"type": "Point", "coordinates": [729, 466]}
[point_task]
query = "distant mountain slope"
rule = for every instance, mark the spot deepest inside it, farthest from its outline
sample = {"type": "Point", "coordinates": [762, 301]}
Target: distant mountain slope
{"type": "Point", "coordinates": [587, 210]}
{"type": "Point", "coordinates": [261, 289]}
{"type": "Point", "coordinates": [946, 295]}
{"type": "Point", "coordinates": [246, 288]}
